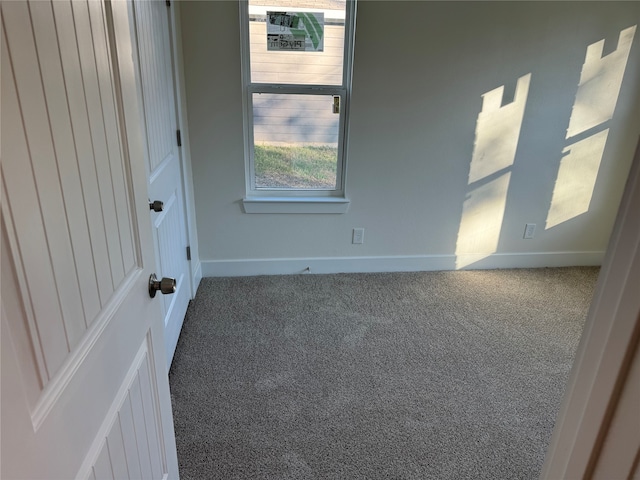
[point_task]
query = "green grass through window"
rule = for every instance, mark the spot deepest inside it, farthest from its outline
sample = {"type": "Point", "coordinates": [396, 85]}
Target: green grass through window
{"type": "Point", "coordinates": [295, 166]}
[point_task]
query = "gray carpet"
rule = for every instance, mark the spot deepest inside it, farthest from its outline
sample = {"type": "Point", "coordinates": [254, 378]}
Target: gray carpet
{"type": "Point", "coordinates": [443, 375]}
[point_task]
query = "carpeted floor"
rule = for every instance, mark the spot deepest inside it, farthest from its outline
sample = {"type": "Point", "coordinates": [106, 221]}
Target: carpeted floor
{"type": "Point", "coordinates": [443, 375]}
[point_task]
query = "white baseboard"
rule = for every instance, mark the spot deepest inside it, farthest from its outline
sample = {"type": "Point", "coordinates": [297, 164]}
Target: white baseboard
{"type": "Point", "coordinates": [196, 277]}
{"type": "Point", "coordinates": [409, 263]}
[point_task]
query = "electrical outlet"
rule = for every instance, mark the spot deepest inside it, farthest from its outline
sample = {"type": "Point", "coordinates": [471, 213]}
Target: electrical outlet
{"type": "Point", "coordinates": [358, 235]}
{"type": "Point", "coordinates": [529, 230]}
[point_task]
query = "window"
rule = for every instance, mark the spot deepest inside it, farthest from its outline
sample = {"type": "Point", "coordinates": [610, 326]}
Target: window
{"type": "Point", "coordinates": [297, 57]}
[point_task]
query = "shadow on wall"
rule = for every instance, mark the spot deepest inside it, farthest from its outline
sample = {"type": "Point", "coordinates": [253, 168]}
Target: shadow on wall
{"type": "Point", "coordinates": [496, 141]}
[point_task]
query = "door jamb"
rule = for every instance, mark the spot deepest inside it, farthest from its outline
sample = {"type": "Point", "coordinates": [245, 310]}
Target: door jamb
{"type": "Point", "coordinates": [603, 357]}
{"type": "Point", "coordinates": [184, 151]}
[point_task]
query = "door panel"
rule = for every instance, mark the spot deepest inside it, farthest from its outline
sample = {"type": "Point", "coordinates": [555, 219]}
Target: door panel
{"type": "Point", "coordinates": [80, 142]}
{"type": "Point", "coordinates": [84, 386]}
{"type": "Point", "coordinates": [155, 68]}
{"type": "Point", "coordinates": [163, 160]}
{"type": "Point", "coordinates": [62, 132]}
{"type": "Point", "coordinates": [33, 200]}
{"type": "Point", "coordinates": [131, 445]}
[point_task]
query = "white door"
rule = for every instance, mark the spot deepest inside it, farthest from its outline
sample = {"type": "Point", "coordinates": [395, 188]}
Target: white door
{"type": "Point", "coordinates": [163, 160]}
{"type": "Point", "coordinates": [84, 390]}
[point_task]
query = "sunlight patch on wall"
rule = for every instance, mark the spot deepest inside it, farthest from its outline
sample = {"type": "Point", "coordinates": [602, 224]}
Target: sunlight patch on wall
{"type": "Point", "coordinates": [596, 98]}
{"type": "Point", "coordinates": [481, 223]}
{"type": "Point", "coordinates": [600, 83]}
{"type": "Point", "coordinates": [576, 179]}
{"type": "Point", "coordinates": [497, 133]}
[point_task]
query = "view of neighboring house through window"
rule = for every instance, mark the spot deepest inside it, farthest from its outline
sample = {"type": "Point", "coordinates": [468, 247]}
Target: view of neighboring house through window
{"type": "Point", "coordinates": [297, 76]}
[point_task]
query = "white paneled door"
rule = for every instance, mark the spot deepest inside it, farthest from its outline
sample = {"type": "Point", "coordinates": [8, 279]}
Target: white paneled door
{"type": "Point", "coordinates": [163, 160]}
{"type": "Point", "coordinates": [84, 390]}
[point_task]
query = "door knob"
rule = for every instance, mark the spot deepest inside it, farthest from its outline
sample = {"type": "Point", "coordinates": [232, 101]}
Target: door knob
{"type": "Point", "coordinates": [166, 286]}
{"type": "Point", "coordinates": [156, 206]}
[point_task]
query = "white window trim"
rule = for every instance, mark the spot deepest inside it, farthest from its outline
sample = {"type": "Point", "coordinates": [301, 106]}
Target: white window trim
{"type": "Point", "coordinates": [289, 200]}
{"type": "Point", "coordinates": [334, 204]}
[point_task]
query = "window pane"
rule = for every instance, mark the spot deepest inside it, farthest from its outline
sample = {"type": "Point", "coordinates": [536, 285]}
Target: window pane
{"type": "Point", "coordinates": [286, 62]}
{"type": "Point", "coordinates": [295, 141]}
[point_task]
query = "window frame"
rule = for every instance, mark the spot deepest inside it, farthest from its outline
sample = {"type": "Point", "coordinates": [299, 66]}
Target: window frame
{"type": "Point", "coordinates": [297, 197]}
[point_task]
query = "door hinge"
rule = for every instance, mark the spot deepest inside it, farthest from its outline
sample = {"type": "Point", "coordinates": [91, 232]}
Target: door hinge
{"type": "Point", "coordinates": [168, 2]}
{"type": "Point", "coordinates": [179, 138]}
{"type": "Point", "coordinates": [189, 253]}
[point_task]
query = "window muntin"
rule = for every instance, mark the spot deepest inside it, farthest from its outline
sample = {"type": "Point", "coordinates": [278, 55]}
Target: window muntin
{"type": "Point", "coordinates": [296, 102]}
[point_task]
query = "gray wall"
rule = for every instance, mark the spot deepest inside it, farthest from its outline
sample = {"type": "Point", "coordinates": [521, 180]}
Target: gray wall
{"type": "Point", "coordinates": [420, 71]}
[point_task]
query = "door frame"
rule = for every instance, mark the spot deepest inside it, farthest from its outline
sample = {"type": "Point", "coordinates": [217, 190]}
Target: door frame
{"type": "Point", "coordinates": [184, 152]}
{"type": "Point", "coordinates": [604, 356]}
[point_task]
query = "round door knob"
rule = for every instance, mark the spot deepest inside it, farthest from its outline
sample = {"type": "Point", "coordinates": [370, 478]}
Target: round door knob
{"type": "Point", "coordinates": [166, 286]}
{"type": "Point", "coordinates": [156, 206]}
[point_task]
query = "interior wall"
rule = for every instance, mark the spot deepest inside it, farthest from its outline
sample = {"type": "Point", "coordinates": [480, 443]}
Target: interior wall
{"type": "Point", "coordinates": [421, 70]}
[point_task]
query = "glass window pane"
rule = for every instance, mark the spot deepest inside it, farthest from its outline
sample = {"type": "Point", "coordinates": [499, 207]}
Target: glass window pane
{"type": "Point", "coordinates": [295, 139]}
{"type": "Point", "coordinates": [318, 62]}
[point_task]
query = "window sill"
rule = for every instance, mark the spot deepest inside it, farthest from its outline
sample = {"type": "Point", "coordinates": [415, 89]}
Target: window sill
{"type": "Point", "coordinates": [295, 204]}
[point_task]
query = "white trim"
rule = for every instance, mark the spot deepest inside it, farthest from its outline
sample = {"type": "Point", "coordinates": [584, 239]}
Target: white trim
{"type": "Point", "coordinates": [405, 263]}
{"type": "Point", "coordinates": [247, 108]}
{"type": "Point", "coordinates": [59, 383]}
{"type": "Point", "coordinates": [295, 204]}
{"type": "Point", "coordinates": [185, 150]}
{"type": "Point", "coordinates": [196, 276]}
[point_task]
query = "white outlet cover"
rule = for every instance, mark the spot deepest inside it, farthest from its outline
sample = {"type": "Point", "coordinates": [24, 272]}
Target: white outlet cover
{"type": "Point", "coordinates": [529, 230]}
{"type": "Point", "coordinates": [358, 236]}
